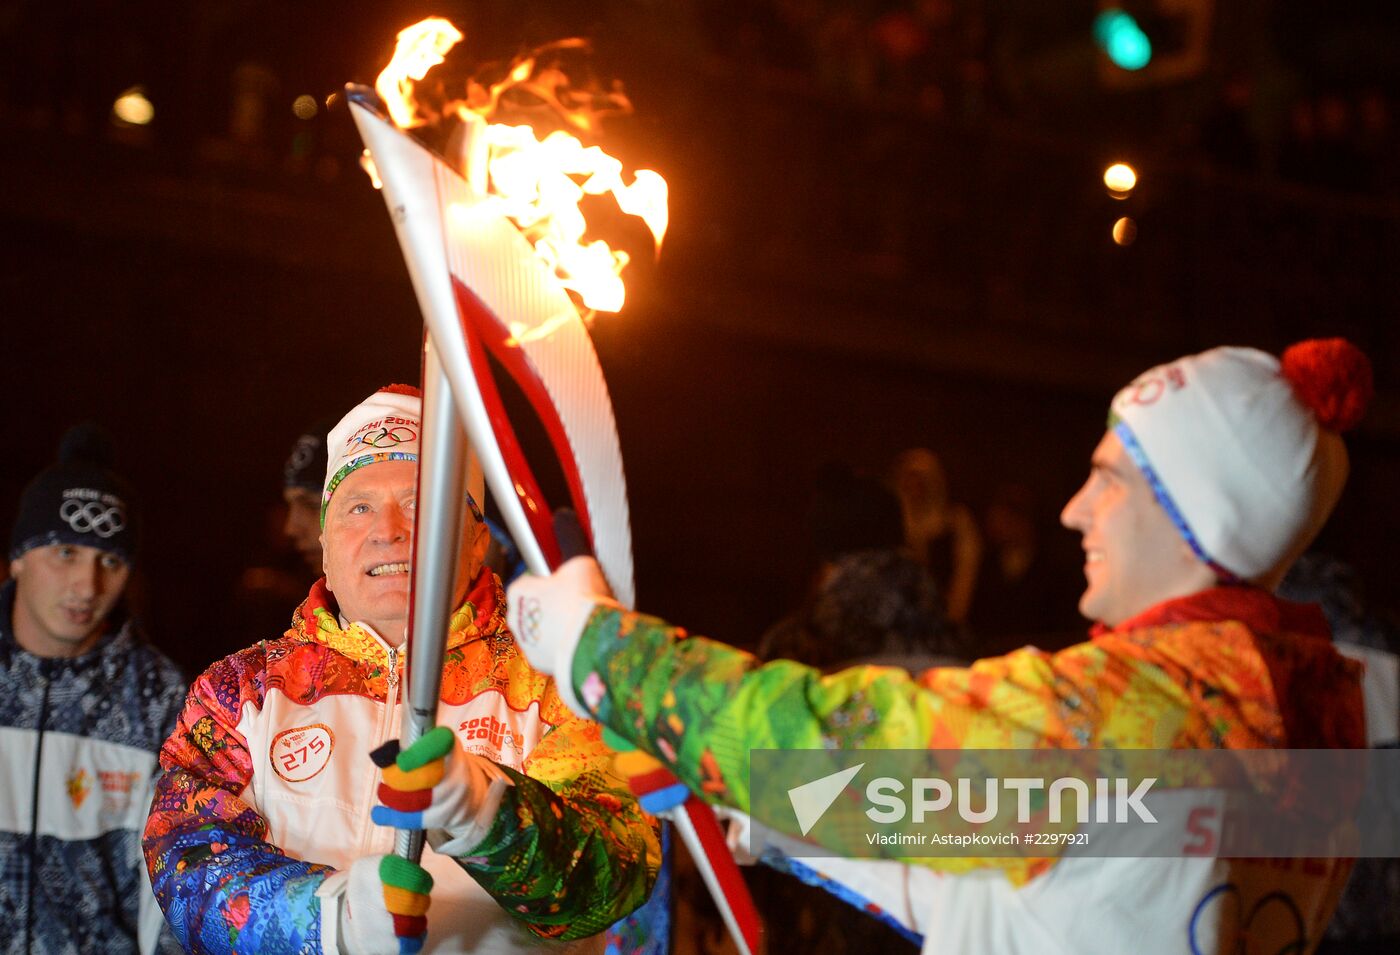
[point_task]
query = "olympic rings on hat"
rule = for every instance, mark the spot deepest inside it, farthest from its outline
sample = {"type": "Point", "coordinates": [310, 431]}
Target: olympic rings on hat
{"type": "Point", "coordinates": [92, 517]}
{"type": "Point", "coordinates": [388, 437]}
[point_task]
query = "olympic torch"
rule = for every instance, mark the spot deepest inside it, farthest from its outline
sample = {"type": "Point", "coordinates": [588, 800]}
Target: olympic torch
{"type": "Point", "coordinates": [487, 291]}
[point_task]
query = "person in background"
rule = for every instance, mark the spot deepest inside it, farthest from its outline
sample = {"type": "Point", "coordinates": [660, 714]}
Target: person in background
{"type": "Point", "coordinates": [301, 491]}
{"type": "Point", "coordinates": [85, 703]}
{"type": "Point", "coordinates": [287, 552]}
{"type": "Point", "coordinates": [1368, 916]}
{"type": "Point", "coordinates": [1021, 597]}
{"type": "Point", "coordinates": [868, 601]}
{"type": "Point", "coordinates": [940, 534]}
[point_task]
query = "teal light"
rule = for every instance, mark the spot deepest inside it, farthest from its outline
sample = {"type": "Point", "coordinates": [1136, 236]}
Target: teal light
{"type": "Point", "coordinates": [1119, 35]}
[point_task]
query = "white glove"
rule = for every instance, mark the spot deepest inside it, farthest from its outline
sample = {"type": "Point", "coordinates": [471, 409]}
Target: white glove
{"type": "Point", "coordinates": [366, 926]}
{"type": "Point", "coordinates": [438, 786]}
{"type": "Point", "coordinates": [548, 614]}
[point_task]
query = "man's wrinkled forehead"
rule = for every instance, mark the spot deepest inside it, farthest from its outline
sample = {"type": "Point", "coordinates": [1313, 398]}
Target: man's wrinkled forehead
{"type": "Point", "coordinates": [380, 478]}
{"type": "Point", "coordinates": [374, 479]}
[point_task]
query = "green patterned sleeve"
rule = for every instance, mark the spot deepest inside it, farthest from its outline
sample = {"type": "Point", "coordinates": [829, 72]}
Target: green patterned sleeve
{"type": "Point", "coordinates": [569, 852]}
{"type": "Point", "coordinates": [701, 706]}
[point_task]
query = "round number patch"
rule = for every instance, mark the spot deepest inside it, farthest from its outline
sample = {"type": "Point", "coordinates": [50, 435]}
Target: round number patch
{"type": "Point", "coordinates": [302, 752]}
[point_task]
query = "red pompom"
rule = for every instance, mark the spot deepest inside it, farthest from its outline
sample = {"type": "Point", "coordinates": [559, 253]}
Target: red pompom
{"type": "Point", "coordinates": [413, 391]}
{"type": "Point", "coordinates": [1333, 378]}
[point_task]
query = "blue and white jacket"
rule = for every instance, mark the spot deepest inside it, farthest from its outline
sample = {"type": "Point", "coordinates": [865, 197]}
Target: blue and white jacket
{"type": "Point", "coordinates": [78, 745]}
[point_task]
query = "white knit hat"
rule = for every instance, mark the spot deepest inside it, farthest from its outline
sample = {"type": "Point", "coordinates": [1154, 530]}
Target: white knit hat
{"type": "Point", "coordinates": [1243, 451]}
{"type": "Point", "coordinates": [386, 426]}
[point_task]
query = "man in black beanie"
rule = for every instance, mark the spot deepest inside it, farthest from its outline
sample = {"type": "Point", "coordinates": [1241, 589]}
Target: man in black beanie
{"type": "Point", "coordinates": [84, 707]}
{"type": "Point", "coordinates": [302, 478]}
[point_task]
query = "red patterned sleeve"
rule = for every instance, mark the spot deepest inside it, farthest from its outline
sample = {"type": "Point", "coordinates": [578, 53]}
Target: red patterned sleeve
{"type": "Point", "coordinates": [222, 886]}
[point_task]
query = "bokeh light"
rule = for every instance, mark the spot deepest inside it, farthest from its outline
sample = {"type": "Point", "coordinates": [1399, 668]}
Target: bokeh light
{"type": "Point", "coordinates": [133, 109]}
{"type": "Point", "coordinates": [1122, 40]}
{"type": "Point", "coordinates": [1120, 178]}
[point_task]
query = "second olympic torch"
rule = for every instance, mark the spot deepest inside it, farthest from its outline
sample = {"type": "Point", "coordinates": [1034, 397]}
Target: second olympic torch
{"type": "Point", "coordinates": [485, 291]}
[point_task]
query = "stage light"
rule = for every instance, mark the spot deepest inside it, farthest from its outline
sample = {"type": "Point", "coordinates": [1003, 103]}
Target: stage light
{"type": "Point", "coordinates": [1120, 178]}
{"type": "Point", "coordinates": [133, 109]}
{"type": "Point", "coordinates": [1120, 37]}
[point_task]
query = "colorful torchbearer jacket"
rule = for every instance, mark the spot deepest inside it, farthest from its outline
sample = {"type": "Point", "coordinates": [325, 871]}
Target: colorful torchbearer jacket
{"type": "Point", "coordinates": [1227, 668]}
{"type": "Point", "coordinates": [268, 786]}
{"type": "Point", "coordinates": [78, 744]}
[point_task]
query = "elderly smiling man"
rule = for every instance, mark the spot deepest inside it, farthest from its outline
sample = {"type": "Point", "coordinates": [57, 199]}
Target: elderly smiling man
{"type": "Point", "coordinates": [1215, 473]}
{"type": "Point", "coordinates": [261, 838]}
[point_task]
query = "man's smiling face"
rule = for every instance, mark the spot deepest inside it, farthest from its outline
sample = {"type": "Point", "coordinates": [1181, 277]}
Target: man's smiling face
{"type": "Point", "coordinates": [1134, 557]}
{"type": "Point", "coordinates": [368, 542]}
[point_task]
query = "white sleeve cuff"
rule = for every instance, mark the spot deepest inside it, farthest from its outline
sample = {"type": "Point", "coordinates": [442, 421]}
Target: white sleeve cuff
{"type": "Point", "coordinates": [566, 650]}
{"type": "Point", "coordinates": [460, 843]}
{"type": "Point", "coordinates": [332, 896]}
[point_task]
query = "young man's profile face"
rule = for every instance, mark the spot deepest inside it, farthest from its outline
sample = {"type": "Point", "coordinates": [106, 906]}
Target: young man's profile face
{"type": "Point", "coordinates": [1134, 556]}
{"type": "Point", "coordinates": [368, 544]}
{"type": "Point", "coordinates": [63, 594]}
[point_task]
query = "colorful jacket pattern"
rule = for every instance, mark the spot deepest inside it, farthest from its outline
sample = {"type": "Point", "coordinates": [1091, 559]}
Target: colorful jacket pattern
{"type": "Point", "coordinates": [81, 734]}
{"type": "Point", "coordinates": [1232, 667]}
{"type": "Point", "coordinates": [268, 785]}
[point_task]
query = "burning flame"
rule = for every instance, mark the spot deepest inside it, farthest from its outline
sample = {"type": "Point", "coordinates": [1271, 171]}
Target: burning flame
{"type": "Point", "coordinates": [537, 182]}
{"type": "Point", "coordinates": [420, 48]}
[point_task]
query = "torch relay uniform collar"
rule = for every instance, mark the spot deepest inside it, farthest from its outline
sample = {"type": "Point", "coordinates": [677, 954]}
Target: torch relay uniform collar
{"type": "Point", "coordinates": [1254, 607]}
{"type": "Point", "coordinates": [481, 616]}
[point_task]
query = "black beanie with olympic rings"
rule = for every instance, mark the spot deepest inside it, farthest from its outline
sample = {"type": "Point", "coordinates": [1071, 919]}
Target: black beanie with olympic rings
{"type": "Point", "coordinates": [78, 500]}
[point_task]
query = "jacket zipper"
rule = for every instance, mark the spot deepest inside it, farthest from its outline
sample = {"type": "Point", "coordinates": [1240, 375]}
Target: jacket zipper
{"type": "Point", "coordinates": [386, 727]}
{"type": "Point", "coordinates": [33, 845]}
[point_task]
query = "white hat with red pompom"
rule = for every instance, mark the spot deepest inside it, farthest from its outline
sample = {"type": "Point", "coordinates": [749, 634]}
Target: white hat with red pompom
{"type": "Point", "coordinates": [1243, 450]}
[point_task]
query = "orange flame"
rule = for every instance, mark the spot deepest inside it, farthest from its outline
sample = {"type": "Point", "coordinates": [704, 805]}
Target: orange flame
{"type": "Point", "coordinates": [420, 48]}
{"type": "Point", "coordinates": [538, 182]}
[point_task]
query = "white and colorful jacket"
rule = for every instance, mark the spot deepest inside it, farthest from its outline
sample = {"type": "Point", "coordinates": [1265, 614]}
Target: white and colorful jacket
{"type": "Point", "coordinates": [78, 744]}
{"type": "Point", "coordinates": [268, 787]}
{"type": "Point", "coordinates": [1229, 668]}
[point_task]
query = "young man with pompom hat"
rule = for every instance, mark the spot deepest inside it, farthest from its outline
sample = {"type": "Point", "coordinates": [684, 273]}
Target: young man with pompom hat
{"type": "Point", "coordinates": [272, 826]}
{"type": "Point", "coordinates": [1214, 474]}
{"type": "Point", "coordinates": [84, 706]}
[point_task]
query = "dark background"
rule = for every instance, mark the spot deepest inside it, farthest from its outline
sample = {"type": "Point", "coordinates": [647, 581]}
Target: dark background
{"type": "Point", "coordinates": [889, 229]}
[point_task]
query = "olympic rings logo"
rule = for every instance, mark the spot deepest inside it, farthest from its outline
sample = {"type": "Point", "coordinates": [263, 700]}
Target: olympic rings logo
{"type": "Point", "coordinates": [93, 518]}
{"type": "Point", "coordinates": [531, 617]}
{"type": "Point", "coordinates": [1275, 918]}
{"type": "Point", "coordinates": [1148, 389]}
{"type": "Point", "coordinates": [388, 437]}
